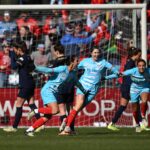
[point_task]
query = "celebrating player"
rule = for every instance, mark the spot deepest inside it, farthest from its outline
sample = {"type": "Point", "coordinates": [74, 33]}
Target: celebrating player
{"type": "Point", "coordinates": [90, 81]}
{"type": "Point", "coordinates": [50, 94]}
{"type": "Point", "coordinates": [139, 89]}
{"type": "Point", "coordinates": [134, 55]}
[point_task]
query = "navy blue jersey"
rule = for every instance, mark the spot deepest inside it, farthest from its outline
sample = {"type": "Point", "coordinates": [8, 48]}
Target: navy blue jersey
{"type": "Point", "coordinates": [22, 65]}
{"type": "Point", "coordinates": [127, 79]}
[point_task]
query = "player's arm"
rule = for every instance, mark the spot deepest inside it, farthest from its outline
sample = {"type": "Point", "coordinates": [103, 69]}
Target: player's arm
{"type": "Point", "coordinates": [111, 67]}
{"type": "Point", "coordinates": [117, 75]}
{"type": "Point", "coordinates": [49, 70]}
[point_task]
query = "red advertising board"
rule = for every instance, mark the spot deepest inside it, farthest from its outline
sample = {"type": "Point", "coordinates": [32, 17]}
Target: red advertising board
{"type": "Point", "coordinates": [100, 110]}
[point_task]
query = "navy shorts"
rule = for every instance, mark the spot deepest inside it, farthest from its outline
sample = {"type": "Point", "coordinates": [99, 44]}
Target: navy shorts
{"type": "Point", "coordinates": [125, 92]}
{"type": "Point", "coordinates": [65, 98]}
{"type": "Point", "coordinates": [26, 93]}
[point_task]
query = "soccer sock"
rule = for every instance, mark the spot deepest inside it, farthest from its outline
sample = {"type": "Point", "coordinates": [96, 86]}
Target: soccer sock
{"type": "Point", "coordinates": [62, 118]}
{"type": "Point", "coordinates": [33, 107]}
{"type": "Point", "coordinates": [71, 117]}
{"type": "Point", "coordinates": [18, 116]}
{"type": "Point", "coordinates": [38, 123]}
{"type": "Point", "coordinates": [135, 115]}
{"type": "Point", "coordinates": [118, 113]}
{"type": "Point", "coordinates": [45, 110]}
{"type": "Point", "coordinates": [139, 114]}
{"type": "Point", "coordinates": [72, 125]}
{"type": "Point", "coordinates": [143, 109]}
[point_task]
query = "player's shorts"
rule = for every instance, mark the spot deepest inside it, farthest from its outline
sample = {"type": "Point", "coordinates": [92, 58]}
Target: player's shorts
{"type": "Point", "coordinates": [65, 98]}
{"type": "Point", "coordinates": [48, 96]}
{"type": "Point", "coordinates": [136, 92]}
{"type": "Point", "coordinates": [88, 98]}
{"type": "Point", "coordinates": [26, 93]}
{"type": "Point", "coordinates": [125, 91]}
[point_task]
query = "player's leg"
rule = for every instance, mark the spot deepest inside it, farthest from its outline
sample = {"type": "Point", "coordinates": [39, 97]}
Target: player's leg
{"type": "Point", "coordinates": [48, 111]}
{"type": "Point", "coordinates": [18, 115]}
{"type": "Point", "coordinates": [32, 103]}
{"type": "Point", "coordinates": [122, 107]}
{"type": "Point", "coordinates": [63, 116]}
{"type": "Point", "coordinates": [144, 98]}
{"type": "Point", "coordinates": [71, 117]}
{"type": "Point", "coordinates": [125, 97]}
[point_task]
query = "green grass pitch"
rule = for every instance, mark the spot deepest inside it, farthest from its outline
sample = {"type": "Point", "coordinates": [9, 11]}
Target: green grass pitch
{"type": "Point", "coordinates": [86, 139]}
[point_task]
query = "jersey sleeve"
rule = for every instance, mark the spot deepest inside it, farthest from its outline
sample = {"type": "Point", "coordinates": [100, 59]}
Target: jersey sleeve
{"type": "Point", "coordinates": [129, 72]}
{"type": "Point", "coordinates": [111, 67]}
{"type": "Point", "coordinates": [81, 64]}
{"type": "Point", "coordinates": [50, 70]}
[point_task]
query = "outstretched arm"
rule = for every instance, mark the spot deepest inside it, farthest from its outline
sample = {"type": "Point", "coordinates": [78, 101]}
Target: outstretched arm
{"type": "Point", "coordinates": [50, 70]}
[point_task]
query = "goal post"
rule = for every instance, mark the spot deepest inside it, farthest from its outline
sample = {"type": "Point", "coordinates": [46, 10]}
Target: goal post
{"type": "Point", "coordinates": [118, 34]}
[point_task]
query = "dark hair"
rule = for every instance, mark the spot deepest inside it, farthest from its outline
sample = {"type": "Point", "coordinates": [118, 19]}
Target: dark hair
{"type": "Point", "coordinates": [132, 51]}
{"type": "Point", "coordinates": [95, 47]}
{"type": "Point", "coordinates": [59, 48]}
{"type": "Point", "coordinates": [70, 59]}
{"type": "Point", "coordinates": [141, 60]}
{"type": "Point", "coordinates": [22, 45]}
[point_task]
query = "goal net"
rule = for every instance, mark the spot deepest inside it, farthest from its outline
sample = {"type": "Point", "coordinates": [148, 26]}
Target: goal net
{"type": "Point", "coordinates": [118, 27]}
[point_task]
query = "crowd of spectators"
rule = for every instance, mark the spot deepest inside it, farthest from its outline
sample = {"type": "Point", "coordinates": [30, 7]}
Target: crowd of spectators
{"type": "Point", "coordinates": [77, 32]}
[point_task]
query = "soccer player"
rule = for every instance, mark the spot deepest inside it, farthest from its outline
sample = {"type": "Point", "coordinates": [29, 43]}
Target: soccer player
{"type": "Point", "coordinates": [133, 56]}
{"type": "Point", "coordinates": [90, 81]}
{"type": "Point", "coordinates": [22, 62]}
{"type": "Point", "coordinates": [49, 93]}
{"type": "Point", "coordinates": [66, 92]}
{"type": "Point", "coordinates": [139, 89]}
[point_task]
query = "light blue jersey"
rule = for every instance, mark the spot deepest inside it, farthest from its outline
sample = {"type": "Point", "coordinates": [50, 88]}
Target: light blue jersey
{"type": "Point", "coordinates": [91, 77]}
{"type": "Point", "coordinates": [50, 89]}
{"type": "Point", "coordinates": [140, 82]}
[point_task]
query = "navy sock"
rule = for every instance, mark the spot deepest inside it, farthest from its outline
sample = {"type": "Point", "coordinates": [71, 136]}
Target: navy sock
{"type": "Point", "coordinates": [72, 126]}
{"type": "Point", "coordinates": [18, 116]}
{"type": "Point", "coordinates": [62, 118]}
{"type": "Point", "coordinates": [118, 113]}
{"type": "Point", "coordinates": [139, 114]}
{"type": "Point", "coordinates": [33, 106]}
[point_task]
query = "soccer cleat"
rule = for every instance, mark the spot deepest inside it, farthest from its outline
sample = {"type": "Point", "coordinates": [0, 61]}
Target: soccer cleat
{"type": "Point", "coordinates": [10, 129]}
{"type": "Point", "coordinates": [112, 127]}
{"type": "Point", "coordinates": [30, 133]}
{"type": "Point", "coordinates": [138, 129]}
{"type": "Point", "coordinates": [144, 122]}
{"type": "Point", "coordinates": [144, 128]}
{"type": "Point", "coordinates": [30, 115]}
{"type": "Point", "coordinates": [63, 125]}
{"type": "Point", "coordinates": [66, 131]}
{"type": "Point", "coordinates": [39, 129]}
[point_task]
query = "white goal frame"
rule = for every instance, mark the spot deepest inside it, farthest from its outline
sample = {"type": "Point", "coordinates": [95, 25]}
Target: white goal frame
{"type": "Point", "coordinates": [142, 7]}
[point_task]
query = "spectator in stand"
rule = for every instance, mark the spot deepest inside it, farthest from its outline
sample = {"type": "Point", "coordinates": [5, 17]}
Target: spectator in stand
{"type": "Point", "coordinates": [49, 28]}
{"type": "Point", "coordinates": [26, 20]}
{"type": "Point", "coordinates": [92, 21]}
{"type": "Point", "coordinates": [39, 57]}
{"type": "Point", "coordinates": [103, 35]}
{"type": "Point", "coordinates": [70, 42]}
{"type": "Point", "coordinates": [25, 35]}
{"type": "Point", "coordinates": [4, 64]}
{"type": "Point", "coordinates": [8, 27]}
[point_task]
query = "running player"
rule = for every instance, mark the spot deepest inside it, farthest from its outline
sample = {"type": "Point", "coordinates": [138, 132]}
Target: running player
{"type": "Point", "coordinates": [133, 56]}
{"type": "Point", "coordinates": [49, 93]}
{"type": "Point", "coordinates": [140, 89]}
{"type": "Point", "coordinates": [90, 81]}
